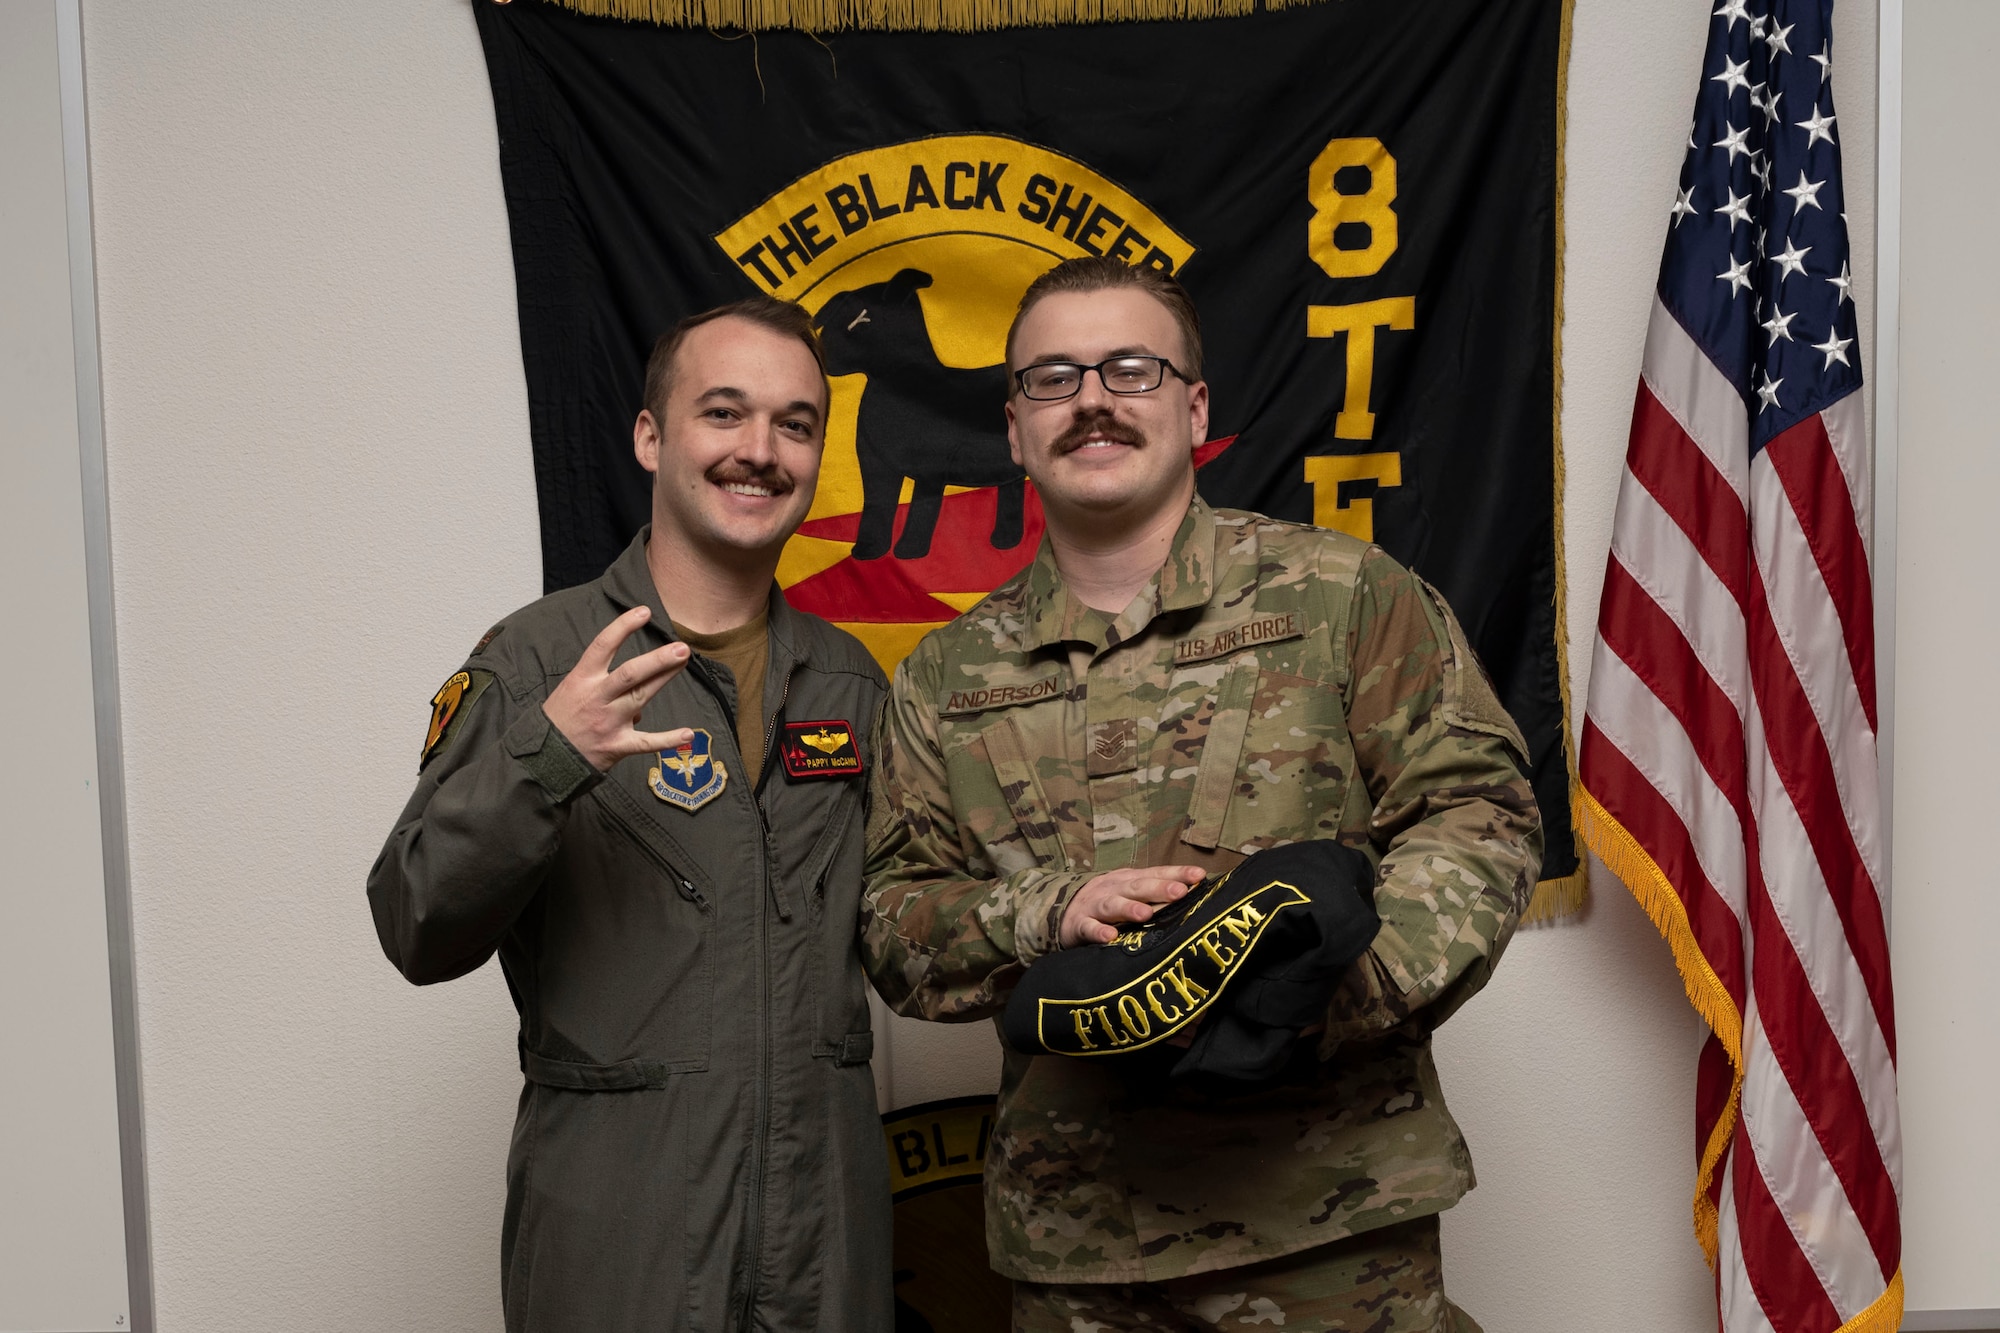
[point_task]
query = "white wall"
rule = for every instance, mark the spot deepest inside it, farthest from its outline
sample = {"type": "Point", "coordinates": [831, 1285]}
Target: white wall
{"type": "Point", "coordinates": [62, 1209]}
{"type": "Point", "coordinates": [1947, 617]}
{"type": "Point", "coordinates": [320, 498]}
{"type": "Point", "coordinates": [321, 495]}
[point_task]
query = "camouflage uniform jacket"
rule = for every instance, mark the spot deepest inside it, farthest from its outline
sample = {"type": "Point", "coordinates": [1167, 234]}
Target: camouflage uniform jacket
{"type": "Point", "coordinates": [1274, 683]}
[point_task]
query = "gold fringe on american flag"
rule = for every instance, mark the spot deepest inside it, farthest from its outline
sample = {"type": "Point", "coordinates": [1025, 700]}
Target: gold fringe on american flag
{"type": "Point", "coordinates": [1728, 748]}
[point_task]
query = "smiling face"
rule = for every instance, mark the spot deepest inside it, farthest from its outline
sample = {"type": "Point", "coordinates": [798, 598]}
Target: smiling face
{"type": "Point", "coordinates": [735, 448]}
{"type": "Point", "coordinates": [1102, 457]}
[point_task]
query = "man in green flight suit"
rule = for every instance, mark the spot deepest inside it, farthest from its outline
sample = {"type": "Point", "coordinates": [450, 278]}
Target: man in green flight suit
{"type": "Point", "coordinates": [1165, 689]}
{"type": "Point", "coordinates": [646, 795]}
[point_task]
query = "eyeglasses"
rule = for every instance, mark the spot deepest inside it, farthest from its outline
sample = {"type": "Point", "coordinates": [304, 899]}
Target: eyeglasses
{"type": "Point", "coordinates": [1053, 381]}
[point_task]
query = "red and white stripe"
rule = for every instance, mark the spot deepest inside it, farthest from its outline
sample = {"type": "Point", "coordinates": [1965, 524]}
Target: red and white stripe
{"type": "Point", "coordinates": [1729, 775]}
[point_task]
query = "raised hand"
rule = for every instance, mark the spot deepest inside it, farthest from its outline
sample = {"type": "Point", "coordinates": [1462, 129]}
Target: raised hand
{"type": "Point", "coordinates": [597, 708]}
{"type": "Point", "coordinates": [1120, 897]}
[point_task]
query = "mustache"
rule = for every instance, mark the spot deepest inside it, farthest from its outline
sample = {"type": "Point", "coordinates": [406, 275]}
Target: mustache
{"type": "Point", "coordinates": [772, 478]}
{"type": "Point", "coordinates": [1097, 422]}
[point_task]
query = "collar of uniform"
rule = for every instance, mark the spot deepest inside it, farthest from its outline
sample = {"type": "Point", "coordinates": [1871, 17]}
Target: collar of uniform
{"type": "Point", "coordinates": [786, 641]}
{"type": "Point", "coordinates": [1188, 578]}
{"type": "Point", "coordinates": [1185, 580]}
{"type": "Point", "coordinates": [629, 583]}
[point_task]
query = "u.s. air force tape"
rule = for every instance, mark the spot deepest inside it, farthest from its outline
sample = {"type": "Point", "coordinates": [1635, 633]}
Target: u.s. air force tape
{"type": "Point", "coordinates": [1251, 956]}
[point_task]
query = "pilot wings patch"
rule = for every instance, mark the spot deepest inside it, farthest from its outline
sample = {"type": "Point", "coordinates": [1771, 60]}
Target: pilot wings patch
{"type": "Point", "coordinates": [819, 750]}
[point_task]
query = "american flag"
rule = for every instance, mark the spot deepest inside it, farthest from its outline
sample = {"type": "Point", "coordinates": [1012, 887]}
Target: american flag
{"type": "Point", "coordinates": [1728, 753]}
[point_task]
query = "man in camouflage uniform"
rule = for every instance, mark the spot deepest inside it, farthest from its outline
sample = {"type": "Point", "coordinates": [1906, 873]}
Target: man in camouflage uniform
{"type": "Point", "coordinates": [1165, 689]}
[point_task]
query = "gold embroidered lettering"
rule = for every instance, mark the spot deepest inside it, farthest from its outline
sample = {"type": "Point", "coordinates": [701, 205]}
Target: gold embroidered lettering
{"type": "Point", "coordinates": [1241, 926]}
{"type": "Point", "coordinates": [1211, 944]}
{"type": "Point", "coordinates": [1134, 1017]}
{"type": "Point", "coordinates": [1154, 990]}
{"type": "Point", "coordinates": [1111, 1029]}
{"type": "Point", "coordinates": [1191, 991]}
{"type": "Point", "coordinates": [1081, 1017]}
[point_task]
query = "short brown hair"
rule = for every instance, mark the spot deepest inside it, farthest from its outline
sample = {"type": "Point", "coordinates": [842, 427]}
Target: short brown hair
{"type": "Point", "coordinates": [782, 317]}
{"type": "Point", "coordinates": [1094, 273]}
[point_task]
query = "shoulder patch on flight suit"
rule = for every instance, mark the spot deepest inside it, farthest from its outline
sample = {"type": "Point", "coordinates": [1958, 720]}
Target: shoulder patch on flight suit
{"type": "Point", "coordinates": [1248, 634]}
{"type": "Point", "coordinates": [819, 750]}
{"type": "Point", "coordinates": [1470, 699]}
{"type": "Point", "coordinates": [691, 776]}
{"type": "Point", "coordinates": [452, 701]}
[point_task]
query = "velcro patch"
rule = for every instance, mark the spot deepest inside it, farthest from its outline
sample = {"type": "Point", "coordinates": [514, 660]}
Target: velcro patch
{"type": "Point", "coordinates": [1000, 696]}
{"type": "Point", "coordinates": [819, 750]}
{"type": "Point", "coordinates": [1113, 746]}
{"type": "Point", "coordinates": [1264, 629]}
{"type": "Point", "coordinates": [453, 699]}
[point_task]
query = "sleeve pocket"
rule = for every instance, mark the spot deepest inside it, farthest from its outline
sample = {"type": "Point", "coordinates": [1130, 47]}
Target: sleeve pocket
{"type": "Point", "coordinates": [1469, 698]}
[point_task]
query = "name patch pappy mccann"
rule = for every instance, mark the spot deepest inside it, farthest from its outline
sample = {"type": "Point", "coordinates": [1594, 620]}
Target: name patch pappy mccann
{"type": "Point", "coordinates": [819, 750]}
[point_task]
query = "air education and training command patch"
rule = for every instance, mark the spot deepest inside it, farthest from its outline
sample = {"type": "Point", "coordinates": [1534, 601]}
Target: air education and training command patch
{"type": "Point", "coordinates": [819, 750]}
{"type": "Point", "coordinates": [691, 776]}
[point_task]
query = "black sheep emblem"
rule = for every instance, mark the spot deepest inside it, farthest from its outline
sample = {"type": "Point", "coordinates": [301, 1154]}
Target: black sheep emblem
{"type": "Point", "coordinates": [935, 424]}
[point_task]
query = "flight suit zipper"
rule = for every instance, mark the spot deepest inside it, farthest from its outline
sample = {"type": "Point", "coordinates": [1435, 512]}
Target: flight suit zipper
{"type": "Point", "coordinates": [757, 1156]}
{"type": "Point", "coordinates": [687, 887]}
{"type": "Point", "coordinates": [760, 1128]}
{"type": "Point", "coordinates": [771, 734]}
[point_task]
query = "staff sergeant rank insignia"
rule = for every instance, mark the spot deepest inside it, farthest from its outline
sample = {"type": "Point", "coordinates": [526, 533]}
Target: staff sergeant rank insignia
{"type": "Point", "coordinates": [691, 776]}
{"type": "Point", "coordinates": [819, 750]}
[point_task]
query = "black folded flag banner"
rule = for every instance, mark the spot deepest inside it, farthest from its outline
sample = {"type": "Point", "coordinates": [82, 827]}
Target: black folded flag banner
{"type": "Point", "coordinates": [1361, 195]}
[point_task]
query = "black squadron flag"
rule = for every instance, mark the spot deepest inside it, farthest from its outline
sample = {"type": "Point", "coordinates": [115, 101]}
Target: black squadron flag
{"type": "Point", "coordinates": [1360, 195]}
{"type": "Point", "coordinates": [937, 1160]}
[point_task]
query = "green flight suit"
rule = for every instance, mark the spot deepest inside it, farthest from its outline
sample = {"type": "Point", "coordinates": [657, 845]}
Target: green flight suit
{"type": "Point", "coordinates": [1274, 682]}
{"type": "Point", "coordinates": [697, 1145]}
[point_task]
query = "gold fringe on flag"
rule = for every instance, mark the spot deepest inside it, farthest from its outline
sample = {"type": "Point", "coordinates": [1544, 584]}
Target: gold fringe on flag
{"type": "Point", "coordinates": [912, 15]}
{"type": "Point", "coordinates": [1624, 857]}
{"type": "Point", "coordinates": [1884, 1315]}
{"type": "Point", "coordinates": [1560, 897]}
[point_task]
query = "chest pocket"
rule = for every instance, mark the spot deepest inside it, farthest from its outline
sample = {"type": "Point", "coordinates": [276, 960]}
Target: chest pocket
{"type": "Point", "coordinates": [1276, 764]}
{"type": "Point", "coordinates": [1215, 776]}
{"type": "Point", "coordinates": [831, 875]}
{"type": "Point", "coordinates": [1037, 821]}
